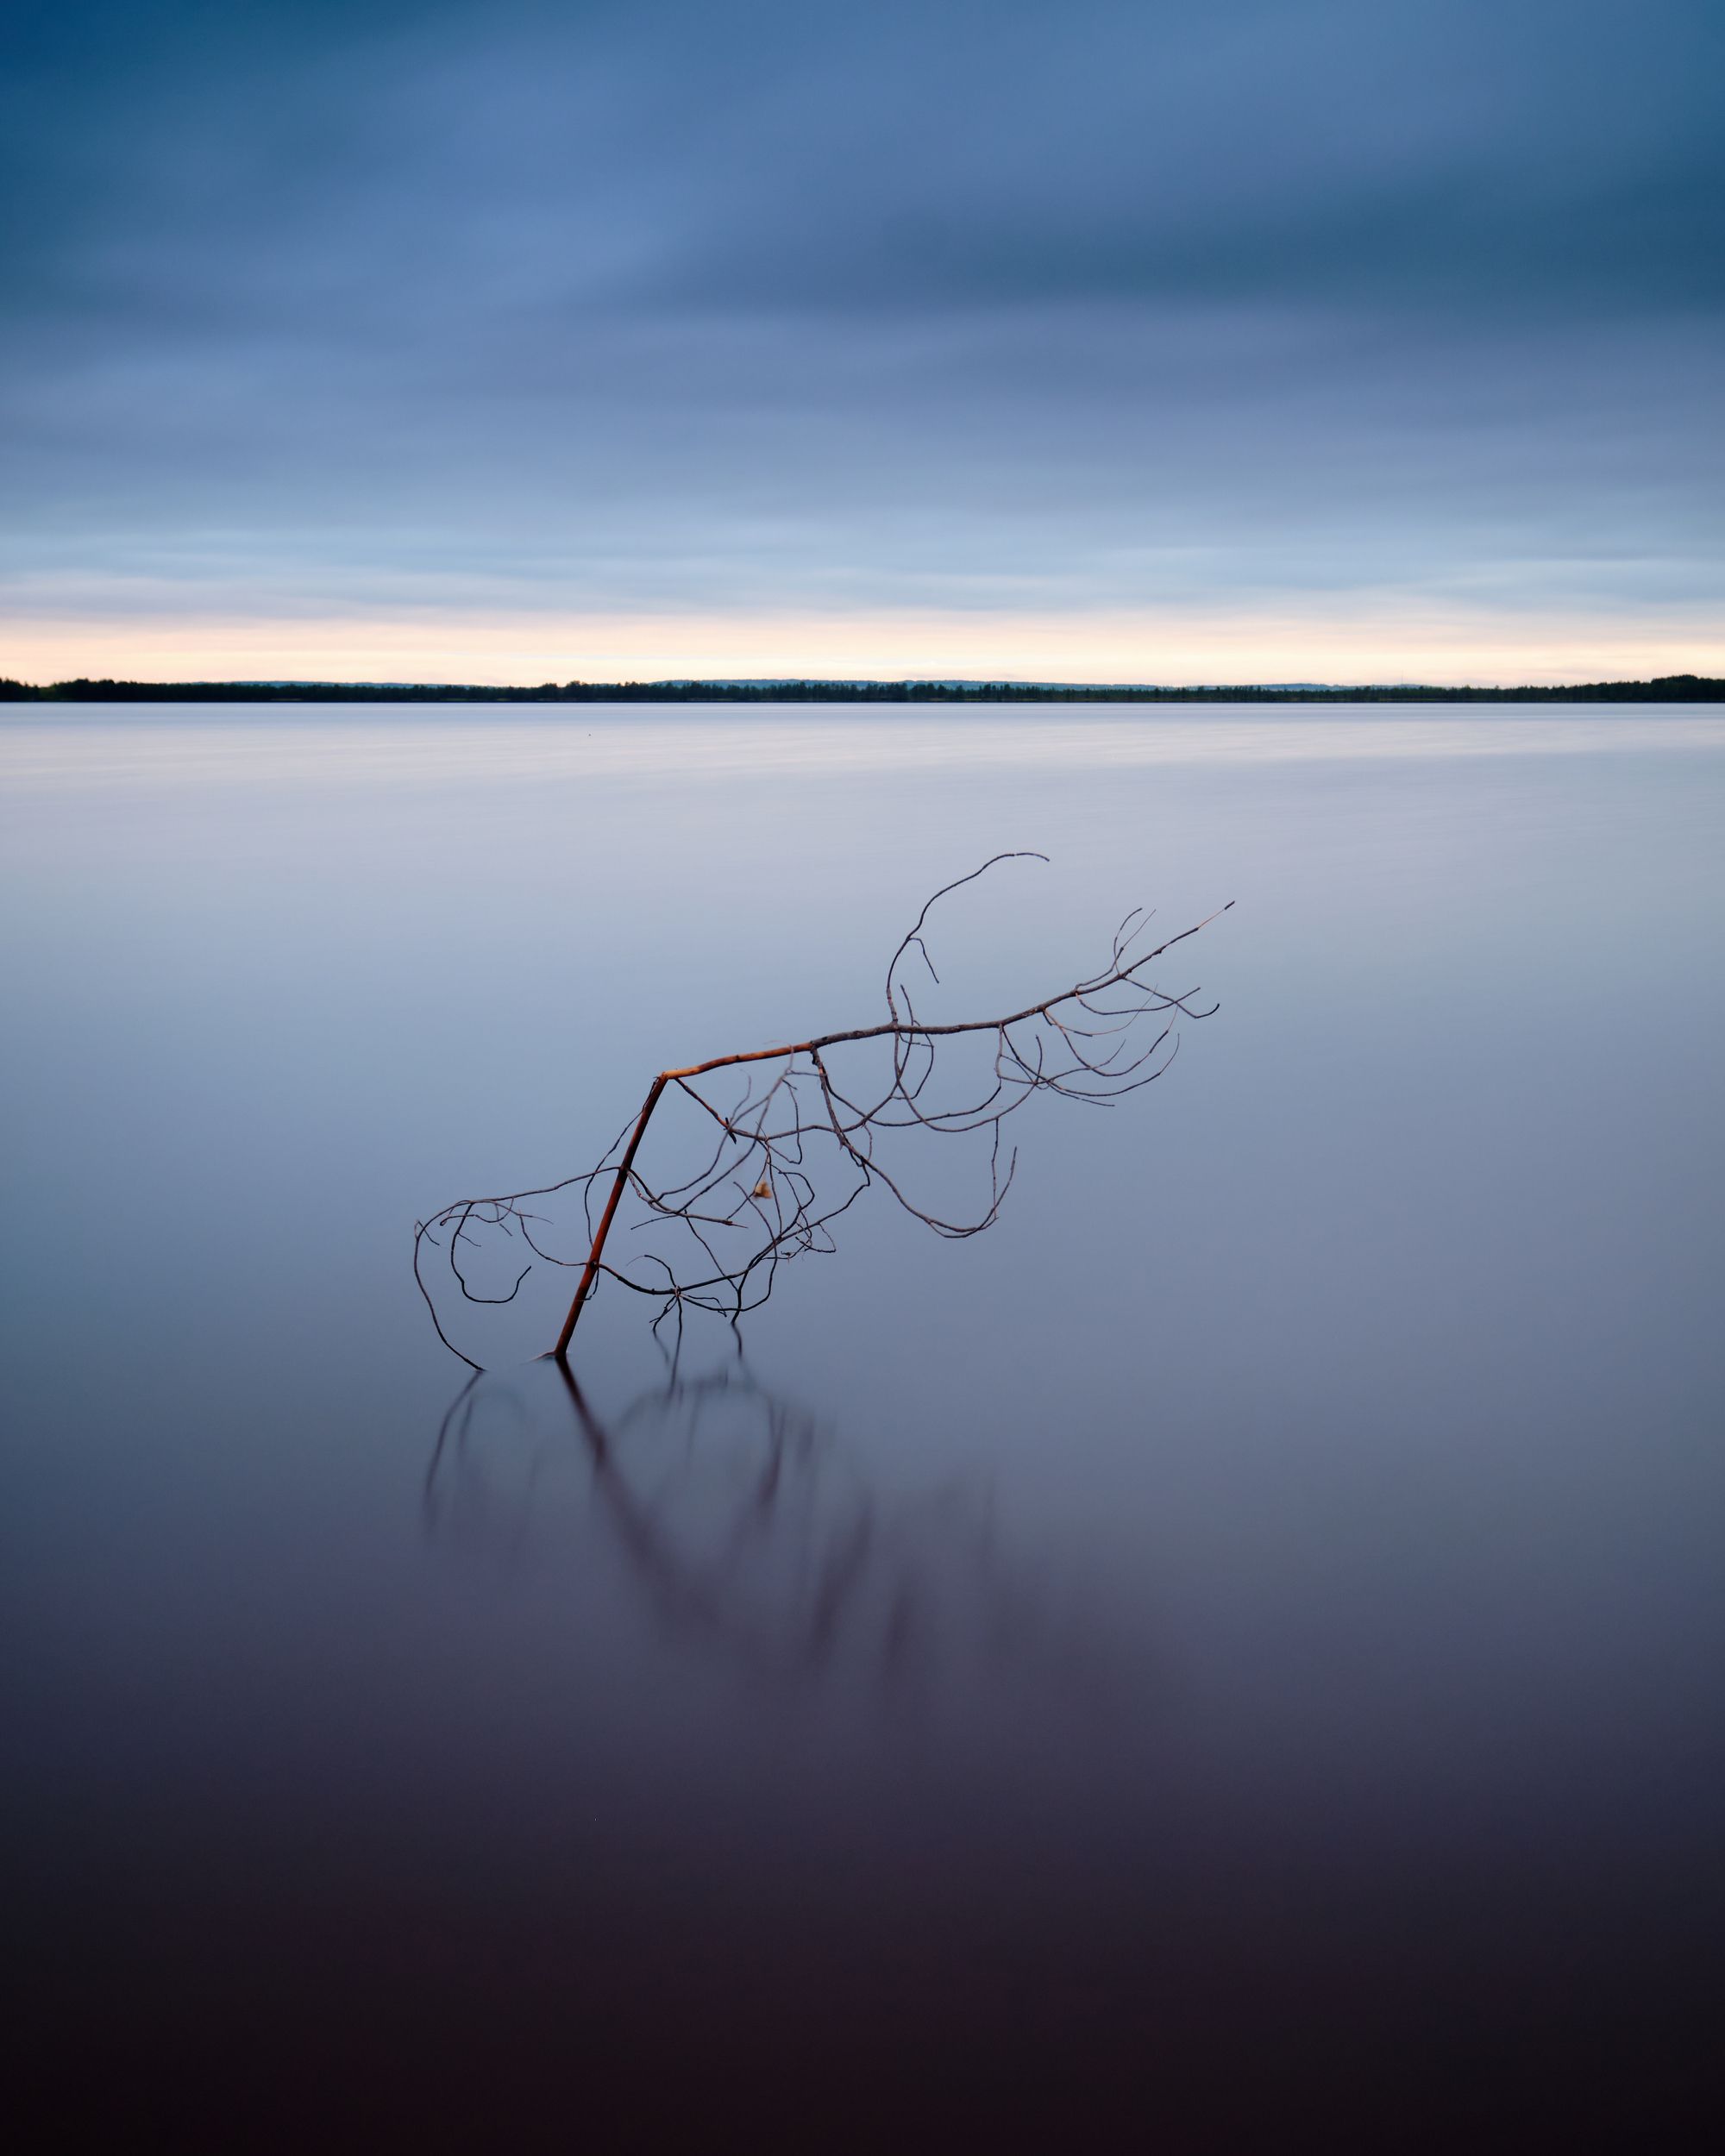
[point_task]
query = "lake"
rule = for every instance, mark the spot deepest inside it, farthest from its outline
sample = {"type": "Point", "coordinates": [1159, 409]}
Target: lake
{"type": "Point", "coordinates": [1232, 1657]}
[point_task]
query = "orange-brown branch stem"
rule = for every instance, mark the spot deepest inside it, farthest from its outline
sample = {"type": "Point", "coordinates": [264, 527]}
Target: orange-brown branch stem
{"type": "Point", "coordinates": [914, 1026]}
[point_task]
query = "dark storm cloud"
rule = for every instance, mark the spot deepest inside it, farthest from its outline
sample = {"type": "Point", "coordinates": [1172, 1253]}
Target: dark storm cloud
{"type": "Point", "coordinates": [1007, 304]}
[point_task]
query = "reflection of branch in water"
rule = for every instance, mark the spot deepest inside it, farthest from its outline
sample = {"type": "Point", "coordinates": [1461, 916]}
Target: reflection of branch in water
{"type": "Point", "coordinates": [748, 1528]}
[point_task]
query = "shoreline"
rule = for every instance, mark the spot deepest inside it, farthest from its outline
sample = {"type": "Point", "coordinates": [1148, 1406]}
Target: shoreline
{"type": "Point", "coordinates": [1680, 689]}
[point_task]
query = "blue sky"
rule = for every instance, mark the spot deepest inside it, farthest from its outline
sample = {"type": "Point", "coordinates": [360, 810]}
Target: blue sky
{"type": "Point", "coordinates": [1161, 341]}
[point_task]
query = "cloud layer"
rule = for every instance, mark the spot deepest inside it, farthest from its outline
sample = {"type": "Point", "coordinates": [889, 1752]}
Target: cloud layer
{"type": "Point", "coordinates": [572, 331]}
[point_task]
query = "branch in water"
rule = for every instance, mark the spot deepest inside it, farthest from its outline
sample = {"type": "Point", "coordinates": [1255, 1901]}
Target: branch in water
{"type": "Point", "coordinates": [797, 1148]}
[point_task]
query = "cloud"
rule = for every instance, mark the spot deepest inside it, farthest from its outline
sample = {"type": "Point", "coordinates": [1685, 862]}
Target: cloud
{"type": "Point", "coordinates": [984, 309]}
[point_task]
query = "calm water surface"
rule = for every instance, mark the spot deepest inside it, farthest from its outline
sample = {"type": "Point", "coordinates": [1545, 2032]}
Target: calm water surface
{"type": "Point", "coordinates": [1231, 1659]}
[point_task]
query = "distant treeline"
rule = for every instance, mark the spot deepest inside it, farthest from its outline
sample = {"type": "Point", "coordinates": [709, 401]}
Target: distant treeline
{"type": "Point", "coordinates": [1670, 688]}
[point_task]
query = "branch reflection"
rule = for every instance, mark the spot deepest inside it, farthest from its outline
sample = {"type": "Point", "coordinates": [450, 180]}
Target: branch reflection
{"type": "Point", "coordinates": [745, 1527]}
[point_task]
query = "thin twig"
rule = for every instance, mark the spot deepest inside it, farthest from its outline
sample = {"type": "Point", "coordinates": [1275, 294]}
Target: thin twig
{"type": "Point", "coordinates": [761, 1179]}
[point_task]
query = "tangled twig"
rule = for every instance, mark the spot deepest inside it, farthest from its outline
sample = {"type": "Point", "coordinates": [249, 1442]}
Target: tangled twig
{"type": "Point", "coordinates": [796, 1148]}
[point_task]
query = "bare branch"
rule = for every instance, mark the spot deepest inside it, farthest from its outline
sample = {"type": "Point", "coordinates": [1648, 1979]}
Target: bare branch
{"type": "Point", "coordinates": [793, 1154]}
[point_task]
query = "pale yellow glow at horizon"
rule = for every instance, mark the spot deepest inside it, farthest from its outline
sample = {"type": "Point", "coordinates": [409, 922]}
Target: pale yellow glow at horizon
{"type": "Point", "coordinates": [1422, 643]}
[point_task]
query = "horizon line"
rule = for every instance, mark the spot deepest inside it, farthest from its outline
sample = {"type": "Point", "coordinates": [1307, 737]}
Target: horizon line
{"type": "Point", "coordinates": [1667, 688]}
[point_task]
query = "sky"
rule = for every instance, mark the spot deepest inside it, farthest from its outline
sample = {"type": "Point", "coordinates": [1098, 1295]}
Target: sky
{"type": "Point", "coordinates": [1175, 341]}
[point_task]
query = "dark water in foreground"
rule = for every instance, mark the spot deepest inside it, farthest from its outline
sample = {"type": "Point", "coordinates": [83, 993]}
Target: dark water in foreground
{"type": "Point", "coordinates": [1230, 1660]}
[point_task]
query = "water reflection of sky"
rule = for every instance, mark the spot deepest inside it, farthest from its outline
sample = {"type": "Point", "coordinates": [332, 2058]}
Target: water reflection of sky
{"type": "Point", "coordinates": [1338, 1422]}
{"type": "Point", "coordinates": [78, 745]}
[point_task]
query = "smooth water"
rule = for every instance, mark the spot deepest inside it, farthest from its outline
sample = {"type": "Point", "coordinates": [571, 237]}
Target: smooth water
{"type": "Point", "coordinates": [1230, 1659]}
